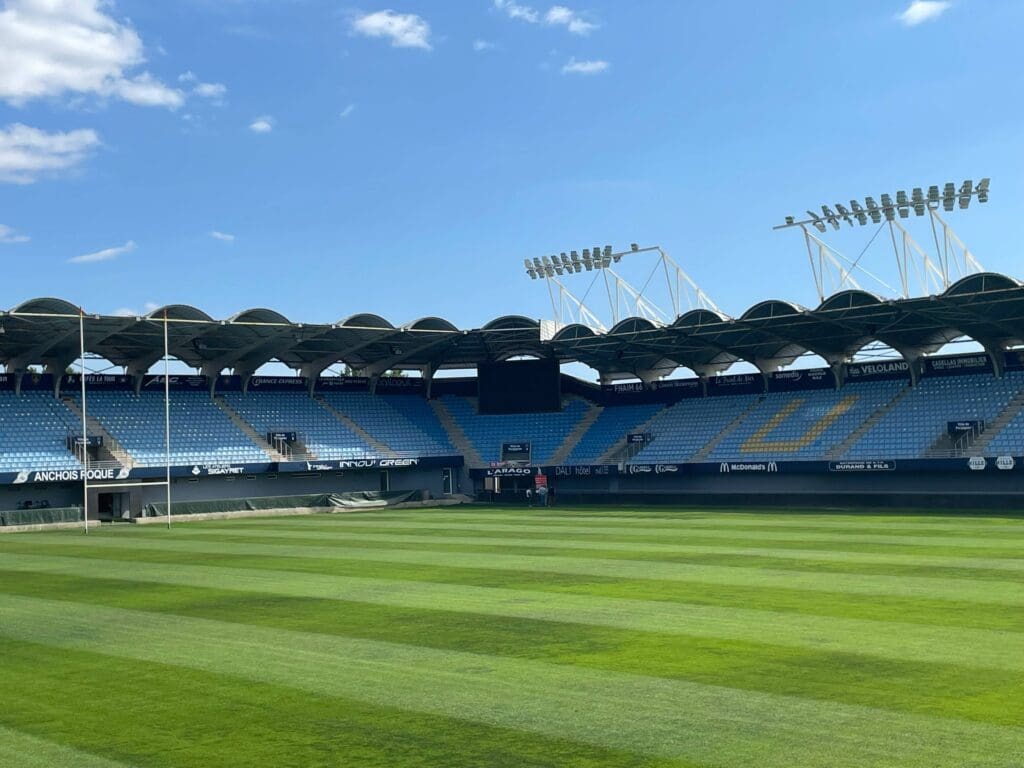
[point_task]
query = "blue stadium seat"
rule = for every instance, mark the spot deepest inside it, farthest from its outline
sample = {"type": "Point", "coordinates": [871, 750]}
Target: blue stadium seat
{"type": "Point", "coordinates": [545, 431]}
{"type": "Point", "coordinates": [319, 429]}
{"type": "Point", "coordinates": [34, 428]}
{"type": "Point", "coordinates": [201, 433]}
{"type": "Point", "coordinates": [405, 423]}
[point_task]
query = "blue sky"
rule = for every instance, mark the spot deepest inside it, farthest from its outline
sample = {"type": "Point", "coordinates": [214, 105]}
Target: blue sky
{"type": "Point", "coordinates": [402, 158]}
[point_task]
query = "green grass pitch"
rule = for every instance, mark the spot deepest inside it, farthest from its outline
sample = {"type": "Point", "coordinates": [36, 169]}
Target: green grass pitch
{"type": "Point", "coordinates": [517, 637]}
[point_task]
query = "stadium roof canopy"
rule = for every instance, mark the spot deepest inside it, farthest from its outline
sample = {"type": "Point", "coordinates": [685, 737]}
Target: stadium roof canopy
{"type": "Point", "coordinates": [987, 307]}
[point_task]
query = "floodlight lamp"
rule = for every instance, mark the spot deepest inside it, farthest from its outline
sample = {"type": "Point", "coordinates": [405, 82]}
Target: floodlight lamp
{"type": "Point", "coordinates": [789, 220]}
{"type": "Point", "coordinates": [983, 191]}
{"type": "Point", "coordinates": [634, 247]}
{"type": "Point", "coordinates": [528, 263]}
{"type": "Point", "coordinates": [816, 221]}
{"type": "Point", "coordinates": [966, 190]}
{"type": "Point", "coordinates": [575, 258]}
{"type": "Point", "coordinates": [933, 194]}
{"type": "Point", "coordinates": [844, 213]}
{"type": "Point", "coordinates": [948, 196]}
{"type": "Point", "coordinates": [536, 263]}
{"type": "Point", "coordinates": [607, 250]}
{"type": "Point", "coordinates": [565, 260]}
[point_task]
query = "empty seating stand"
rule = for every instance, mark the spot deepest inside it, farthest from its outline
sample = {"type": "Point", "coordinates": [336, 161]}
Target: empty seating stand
{"type": "Point", "coordinates": [34, 428]}
{"type": "Point", "coordinates": [803, 425]}
{"type": "Point", "coordinates": [611, 426]}
{"type": "Point", "coordinates": [405, 423]}
{"type": "Point", "coordinates": [544, 431]}
{"type": "Point", "coordinates": [920, 417]}
{"type": "Point", "coordinates": [201, 433]}
{"type": "Point", "coordinates": [319, 429]}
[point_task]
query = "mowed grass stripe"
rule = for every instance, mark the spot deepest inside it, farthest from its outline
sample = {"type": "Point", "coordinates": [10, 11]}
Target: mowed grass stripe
{"type": "Point", "coordinates": [924, 523]}
{"type": "Point", "coordinates": [893, 640]}
{"type": "Point", "coordinates": [531, 525]}
{"type": "Point", "coordinates": [954, 589]}
{"type": "Point", "coordinates": [946, 690]}
{"type": "Point", "coordinates": [153, 715]}
{"type": "Point", "coordinates": [347, 537]}
{"type": "Point", "coordinates": [672, 719]}
{"type": "Point", "coordinates": [21, 750]}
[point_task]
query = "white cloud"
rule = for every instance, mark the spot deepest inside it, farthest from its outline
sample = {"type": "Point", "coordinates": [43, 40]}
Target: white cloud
{"type": "Point", "coordinates": [404, 30]}
{"type": "Point", "coordinates": [107, 254]}
{"type": "Point", "coordinates": [27, 153]}
{"type": "Point", "coordinates": [262, 124]}
{"type": "Point", "coordinates": [145, 91]}
{"type": "Point", "coordinates": [222, 236]}
{"type": "Point", "coordinates": [52, 47]}
{"type": "Point", "coordinates": [516, 11]}
{"type": "Point", "coordinates": [9, 235]}
{"type": "Point", "coordinates": [149, 306]}
{"type": "Point", "coordinates": [482, 45]}
{"type": "Point", "coordinates": [559, 15]}
{"type": "Point", "coordinates": [555, 16]}
{"type": "Point", "coordinates": [921, 11]}
{"type": "Point", "coordinates": [348, 110]}
{"type": "Point", "coordinates": [591, 67]}
{"type": "Point", "coordinates": [213, 91]}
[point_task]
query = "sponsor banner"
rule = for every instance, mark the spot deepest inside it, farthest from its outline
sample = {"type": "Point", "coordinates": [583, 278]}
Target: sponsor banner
{"type": "Point", "coordinates": [67, 475]}
{"type": "Point", "coordinates": [977, 463]}
{"type": "Point", "coordinates": [174, 382]}
{"type": "Point", "coordinates": [278, 383]}
{"type": "Point", "coordinates": [887, 369]}
{"type": "Point", "coordinates": [411, 384]}
{"type": "Point", "coordinates": [726, 467]}
{"type": "Point", "coordinates": [738, 384]}
{"type": "Point", "coordinates": [625, 386]}
{"type": "Point", "coordinates": [951, 366]}
{"type": "Point", "coordinates": [1005, 462]}
{"type": "Point", "coordinates": [870, 465]}
{"type": "Point", "coordinates": [582, 470]}
{"type": "Point", "coordinates": [344, 383]}
{"type": "Point", "coordinates": [791, 381]}
{"type": "Point", "coordinates": [505, 471]}
{"type": "Point", "coordinates": [677, 385]}
{"type": "Point", "coordinates": [358, 465]}
{"type": "Point", "coordinates": [634, 438]}
{"type": "Point", "coordinates": [229, 383]}
{"type": "Point", "coordinates": [98, 382]}
{"type": "Point", "coordinates": [31, 380]}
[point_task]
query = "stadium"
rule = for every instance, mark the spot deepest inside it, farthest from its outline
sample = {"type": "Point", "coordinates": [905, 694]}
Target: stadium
{"type": "Point", "coordinates": [921, 430]}
{"type": "Point", "coordinates": [460, 385]}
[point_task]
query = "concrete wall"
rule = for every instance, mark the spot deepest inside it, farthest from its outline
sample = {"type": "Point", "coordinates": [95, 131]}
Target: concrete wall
{"type": "Point", "coordinates": [240, 486]}
{"type": "Point", "coordinates": [980, 490]}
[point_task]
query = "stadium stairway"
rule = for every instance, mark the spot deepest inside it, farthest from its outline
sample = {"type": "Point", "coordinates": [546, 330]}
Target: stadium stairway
{"type": "Point", "coordinates": [457, 437]}
{"type": "Point", "coordinates": [252, 434]}
{"type": "Point", "coordinates": [617, 452]}
{"type": "Point", "coordinates": [366, 437]}
{"type": "Point", "coordinates": [840, 450]}
{"type": "Point", "coordinates": [713, 443]}
{"type": "Point", "coordinates": [111, 447]}
{"type": "Point", "coordinates": [996, 426]}
{"type": "Point", "coordinates": [573, 437]}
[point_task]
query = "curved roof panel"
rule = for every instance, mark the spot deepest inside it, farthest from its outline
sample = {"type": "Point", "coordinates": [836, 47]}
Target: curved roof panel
{"type": "Point", "coordinates": [981, 283]}
{"type": "Point", "coordinates": [987, 307]}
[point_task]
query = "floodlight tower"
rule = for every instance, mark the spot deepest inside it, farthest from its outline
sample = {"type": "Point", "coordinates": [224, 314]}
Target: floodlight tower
{"type": "Point", "coordinates": [624, 299]}
{"type": "Point", "coordinates": [953, 259]}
